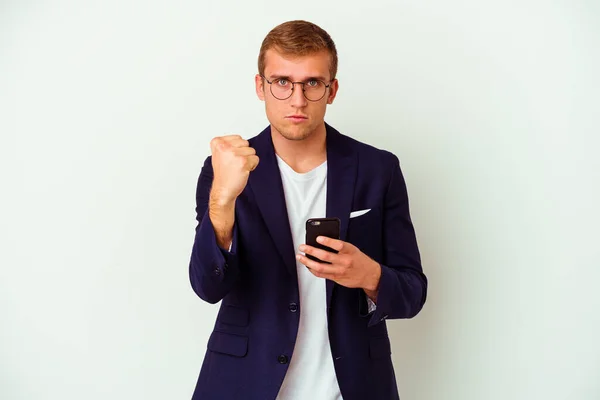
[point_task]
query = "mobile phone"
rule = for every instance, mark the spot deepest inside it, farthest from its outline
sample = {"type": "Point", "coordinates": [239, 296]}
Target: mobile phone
{"type": "Point", "coordinates": [315, 227]}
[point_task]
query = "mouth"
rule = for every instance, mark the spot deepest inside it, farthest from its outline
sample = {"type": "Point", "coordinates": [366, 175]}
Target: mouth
{"type": "Point", "coordinates": [297, 118]}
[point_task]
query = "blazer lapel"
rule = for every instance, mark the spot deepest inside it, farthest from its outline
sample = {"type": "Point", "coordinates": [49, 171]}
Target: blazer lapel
{"type": "Point", "coordinates": [341, 177]}
{"type": "Point", "coordinates": [265, 182]}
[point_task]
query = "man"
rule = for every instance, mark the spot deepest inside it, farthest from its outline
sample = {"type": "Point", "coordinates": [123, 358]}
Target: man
{"type": "Point", "coordinates": [289, 327]}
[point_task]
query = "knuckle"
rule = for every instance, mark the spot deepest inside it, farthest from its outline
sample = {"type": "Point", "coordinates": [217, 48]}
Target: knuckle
{"type": "Point", "coordinates": [221, 145]}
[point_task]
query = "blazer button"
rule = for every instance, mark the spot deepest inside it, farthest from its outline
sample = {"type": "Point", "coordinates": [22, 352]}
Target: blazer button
{"type": "Point", "coordinates": [293, 307]}
{"type": "Point", "coordinates": [282, 359]}
{"type": "Point", "coordinates": [217, 271]}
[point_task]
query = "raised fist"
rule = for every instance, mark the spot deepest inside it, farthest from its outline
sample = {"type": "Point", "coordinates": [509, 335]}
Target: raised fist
{"type": "Point", "coordinates": [232, 160]}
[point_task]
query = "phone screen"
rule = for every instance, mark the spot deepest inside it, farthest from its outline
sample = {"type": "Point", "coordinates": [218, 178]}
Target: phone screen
{"type": "Point", "coordinates": [329, 227]}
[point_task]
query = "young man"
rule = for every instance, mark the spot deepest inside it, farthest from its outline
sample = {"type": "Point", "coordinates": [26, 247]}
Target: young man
{"type": "Point", "coordinates": [289, 327]}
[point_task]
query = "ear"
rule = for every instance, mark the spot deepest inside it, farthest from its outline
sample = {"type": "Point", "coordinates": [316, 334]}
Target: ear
{"type": "Point", "coordinates": [333, 89]}
{"type": "Point", "coordinates": [260, 87]}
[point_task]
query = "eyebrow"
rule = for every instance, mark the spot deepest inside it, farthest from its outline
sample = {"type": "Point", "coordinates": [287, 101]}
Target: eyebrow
{"type": "Point", "coordinates": [321, 78]}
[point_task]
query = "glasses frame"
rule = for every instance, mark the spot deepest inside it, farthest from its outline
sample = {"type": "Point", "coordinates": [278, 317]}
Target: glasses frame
{"type": "Point", "coordinates": [294, 86]}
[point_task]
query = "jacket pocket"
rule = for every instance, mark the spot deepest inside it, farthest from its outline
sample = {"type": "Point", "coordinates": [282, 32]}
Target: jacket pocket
{"type": "Point", "coordinates": [365, 232]}
{"type": "Point", "coordinates": [358, 218]}
{"type": "Point", "coordinates": [379, 347]}
{"type": "Point", "coordinates": [227, 343]}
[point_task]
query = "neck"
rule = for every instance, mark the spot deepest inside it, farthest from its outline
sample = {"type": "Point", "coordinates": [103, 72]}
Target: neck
{"type": "Point", "coordinates": [302, 155]}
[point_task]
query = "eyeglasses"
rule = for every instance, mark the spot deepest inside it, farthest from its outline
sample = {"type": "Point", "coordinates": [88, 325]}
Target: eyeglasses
{"type": "Point", "coordinates": [282, 88]}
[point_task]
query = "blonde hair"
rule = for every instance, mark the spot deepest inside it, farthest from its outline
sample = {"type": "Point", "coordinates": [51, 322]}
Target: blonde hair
{"type": "Point", "coordinates": [298, 38]}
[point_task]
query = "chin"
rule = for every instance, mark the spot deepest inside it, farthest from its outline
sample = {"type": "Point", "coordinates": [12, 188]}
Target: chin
{"type": "Point", "coordinates": [293, 133]}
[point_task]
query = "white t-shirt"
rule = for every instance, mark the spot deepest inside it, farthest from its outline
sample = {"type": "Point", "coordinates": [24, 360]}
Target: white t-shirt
{"type": "Point", "coordinates": [311, 374]}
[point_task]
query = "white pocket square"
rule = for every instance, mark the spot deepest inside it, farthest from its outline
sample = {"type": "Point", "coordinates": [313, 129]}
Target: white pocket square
{"type": "Point", "coordinates": [359, 213]}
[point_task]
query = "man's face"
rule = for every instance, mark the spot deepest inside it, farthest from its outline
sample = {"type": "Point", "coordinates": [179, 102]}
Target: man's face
{"type": "Point", "coordinates": [295, 118]}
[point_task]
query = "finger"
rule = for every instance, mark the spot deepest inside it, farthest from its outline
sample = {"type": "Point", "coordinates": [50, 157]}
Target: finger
{"type": "Point", "coordinates": [252, 163]}
{"type": "Point", "coordinates": [224, 143]}
{"type": "Point", "coordinates": [334, 244]}
{"type": "Point", "coordinates": [244, 151]}
{"type": "Point", "coordinates": [229, 138]}
{"type": "Point", "coordinates": [317, 267]}
{"type": "Point", "coordinates": [238, 143]}
{"type": "Point", "coordinates": [322, 255]}
{"type": "Point", "coordinates": [322, 275]}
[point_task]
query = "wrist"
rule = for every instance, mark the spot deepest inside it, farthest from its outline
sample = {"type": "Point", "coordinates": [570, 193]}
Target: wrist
{"type": "Point", "coordinates": [372, 295]}
{"type": "Point", "coordinates": [372, 285]}
{"type": "Point", "coordinates": [220, 198]}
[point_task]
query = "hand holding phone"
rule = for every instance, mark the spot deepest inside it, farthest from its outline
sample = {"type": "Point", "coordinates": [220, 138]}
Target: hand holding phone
{"type": "Point", "coordinates": [315, 227]}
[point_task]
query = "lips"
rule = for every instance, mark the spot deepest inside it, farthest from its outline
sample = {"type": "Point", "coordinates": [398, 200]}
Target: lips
{"type": "Point", "coordinates": [297, 117]}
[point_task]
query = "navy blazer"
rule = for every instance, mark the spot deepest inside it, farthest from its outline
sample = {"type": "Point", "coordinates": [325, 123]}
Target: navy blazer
{"type": "Point", "coordinates": [249, 350]}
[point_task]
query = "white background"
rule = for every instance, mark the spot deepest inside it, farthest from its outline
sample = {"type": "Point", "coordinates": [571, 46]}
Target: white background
{"type": "Point", "coordinates": [106, 112]}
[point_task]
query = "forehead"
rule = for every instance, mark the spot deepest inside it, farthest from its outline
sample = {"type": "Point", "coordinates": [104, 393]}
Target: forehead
{"type": "Point", "coordinates": [297, 67]}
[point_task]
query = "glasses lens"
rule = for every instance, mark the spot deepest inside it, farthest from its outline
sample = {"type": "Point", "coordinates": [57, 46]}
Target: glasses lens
{"type": "Point", "coordinates": [314, 90]}
{"type": "Point", "coordinates": [281, 89]}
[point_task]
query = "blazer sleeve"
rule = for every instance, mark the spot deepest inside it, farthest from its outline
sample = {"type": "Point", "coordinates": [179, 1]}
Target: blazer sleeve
{"type": "Point", "coordinates": [403, 286]}
{"type": "Point", "coordinates": [213, 270]}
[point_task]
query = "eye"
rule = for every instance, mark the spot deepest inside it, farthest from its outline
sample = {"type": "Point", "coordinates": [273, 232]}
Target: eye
{"type": "Point", "coordinates": [282, 82]}
{"type": "Point", "coordinates": [313, 83]}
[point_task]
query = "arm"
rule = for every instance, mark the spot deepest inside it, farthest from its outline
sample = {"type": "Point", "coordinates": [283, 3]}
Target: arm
{"type": "Point", "coordinates": [397, 285]}
{"type": "Point", "coordinates": [402, 287]}
{"type": "Point", "coordinates": [213, 270]}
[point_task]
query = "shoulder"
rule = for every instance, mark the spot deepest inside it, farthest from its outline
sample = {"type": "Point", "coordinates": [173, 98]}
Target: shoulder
{"type": "Point", "coordinates": [366, 153]}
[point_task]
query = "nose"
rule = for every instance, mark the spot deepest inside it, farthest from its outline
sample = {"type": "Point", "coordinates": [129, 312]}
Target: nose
{"type": "Point", "coordinates": [297, 99]}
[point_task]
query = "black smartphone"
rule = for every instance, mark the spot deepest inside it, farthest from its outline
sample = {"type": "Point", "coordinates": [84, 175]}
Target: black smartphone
{"type": "Point", "coordinates": [315, 227]}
